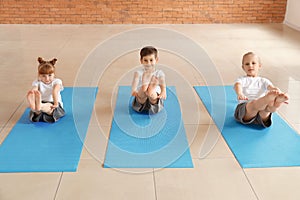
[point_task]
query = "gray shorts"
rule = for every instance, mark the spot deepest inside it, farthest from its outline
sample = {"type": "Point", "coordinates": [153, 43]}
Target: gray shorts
{"type": "Point", "coordinates": [44, 117]}
{"type": "Point", "coordinates": [147, 106]}
{"type": "Point", "coordinates": [240, 112]}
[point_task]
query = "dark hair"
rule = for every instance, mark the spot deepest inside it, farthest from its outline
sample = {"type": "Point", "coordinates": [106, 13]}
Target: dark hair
{"type": "Point", "coordinates": [46, 67]}
{"type": "Point", "coordinates": [148, 50]}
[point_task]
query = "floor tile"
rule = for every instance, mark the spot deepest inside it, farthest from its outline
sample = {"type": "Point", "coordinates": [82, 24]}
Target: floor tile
{"type": "Point", "coordinates": [29, 186]}
{"type": "Point", "coordinates": [206, 142]}
{"type": "Point", "coordinates": [275, 183]}
{"type": "Point", "coordinates": [210, 179]}
{"type": "Point", "coordinates": [94, 182]}
{"type": "Point", "coordinates": [95, 143]}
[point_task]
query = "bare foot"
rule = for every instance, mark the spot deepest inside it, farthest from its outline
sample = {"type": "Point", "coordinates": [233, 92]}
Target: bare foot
{"type": "Point", "coordinates": [271, 96]}
{"type": "Point", "coordinates": [151, 92]}
{"type": "Point", "coordinates": [281, 98]}
{"type": "Point", "coordinates": [278, 101]}
{"type": "Point", "coordinates": [146, 78]}
{"type": "Point", "coordinates": [152, 85]}
{"type": "Point", "coordinates": [154, 81]}
{"type": "Point", "coordinates": [31, 100]}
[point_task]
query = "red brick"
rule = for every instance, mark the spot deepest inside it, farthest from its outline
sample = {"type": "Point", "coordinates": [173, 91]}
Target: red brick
{"type": "Point", "coordinates": [141, 11]}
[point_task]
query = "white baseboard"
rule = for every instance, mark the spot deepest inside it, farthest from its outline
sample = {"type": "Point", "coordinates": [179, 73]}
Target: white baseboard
{"type": "Point", "coordinates": [293, 26]}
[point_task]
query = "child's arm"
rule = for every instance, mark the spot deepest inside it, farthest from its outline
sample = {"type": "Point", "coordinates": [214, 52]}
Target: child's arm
{"type": "Point", "coordinates": [55, 91]}
{"type": "Point", "coordinates": [35, 85]}
{"type": "Point", "coordinates": [162, 85]}
{"type": "Point", "coordinates": [35, 88]}
{"type": "Point", "coordinates": [134, 84]}
{"type": "Point", "coordinates": [239, 92]}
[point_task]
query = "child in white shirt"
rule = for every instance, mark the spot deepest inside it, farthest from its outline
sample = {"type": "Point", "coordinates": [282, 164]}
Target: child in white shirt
{"type": "Point", "coordinates": [257, 96]}
{"type": "Point", "coordinates": [44, 98]}
{"type": "Point", "coordinates": [148, 85]}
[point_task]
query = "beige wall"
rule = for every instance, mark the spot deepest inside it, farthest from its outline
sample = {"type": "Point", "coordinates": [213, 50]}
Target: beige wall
{"type": "Point", "coordinates": [292, 16]}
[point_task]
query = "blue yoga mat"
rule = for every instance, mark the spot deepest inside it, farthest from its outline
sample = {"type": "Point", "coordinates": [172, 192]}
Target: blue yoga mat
{"type": "Point", "coordinates": [140, 140]}
{"type": "Point", "coordinates": [253, 146]}
{"type": "Point", "coordinates": [45, 147]}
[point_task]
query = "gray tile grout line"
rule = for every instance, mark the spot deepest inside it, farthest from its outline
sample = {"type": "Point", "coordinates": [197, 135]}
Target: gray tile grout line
{"type": "Point", "coordinates": [252, 188]}
{"type": "Point", "coordinates": [59, 183]}
{"type": "Point", "coordinates": [154, 184]}
{"type": "Point", "coordinates": [11, 116]}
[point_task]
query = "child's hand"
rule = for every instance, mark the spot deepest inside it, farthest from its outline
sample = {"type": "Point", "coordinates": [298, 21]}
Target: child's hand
{"type": "Point", "coordinates": [54, 106]}
{"type": "Point", "coordinates": [134, 93]}
{"type": "Point", "coordinates": [242, 97]}
{"type": "Point", "coordinates": [162, 95]}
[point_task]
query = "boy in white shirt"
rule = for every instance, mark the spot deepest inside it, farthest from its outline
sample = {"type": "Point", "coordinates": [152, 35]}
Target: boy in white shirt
{"type": "Point", "coordinates": [44, 98]}
{"type": "Point", "coordinates": [148, 85]}
{"type": "Point", "coordinates": [257, 96]}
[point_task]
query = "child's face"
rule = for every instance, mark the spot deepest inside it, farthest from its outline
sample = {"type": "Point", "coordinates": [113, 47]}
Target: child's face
{"type": "Point", "coordinates": [149, 61]}
{"type": "Point", "coordinates": [46, 78]}
{"type": "Point", "coordinates": [251, 65]}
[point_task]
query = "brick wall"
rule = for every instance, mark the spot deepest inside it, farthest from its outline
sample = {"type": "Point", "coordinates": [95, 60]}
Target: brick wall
{"type": "Point", "coordinates": [141, 11]}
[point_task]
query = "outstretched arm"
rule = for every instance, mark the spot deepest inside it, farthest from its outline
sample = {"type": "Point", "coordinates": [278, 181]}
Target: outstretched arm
{"type": "Point", "coordinates": [134, 84]}
{"type": "Point", "coordinates": [35, 88]}
{"type": "Point", "coordinates": [55, 91]}
{"type": "Point", "coordinates": [239, 92]}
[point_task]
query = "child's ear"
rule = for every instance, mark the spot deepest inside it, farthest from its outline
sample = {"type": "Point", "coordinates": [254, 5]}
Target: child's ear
{"type": "Point", "coordinates": [40, 60]}
{"type": "Point", "coordinates": [53, 61]}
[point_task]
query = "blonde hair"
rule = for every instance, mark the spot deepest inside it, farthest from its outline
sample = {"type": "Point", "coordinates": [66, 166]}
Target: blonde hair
{"type": "Point", "coordinates": [250, 53]}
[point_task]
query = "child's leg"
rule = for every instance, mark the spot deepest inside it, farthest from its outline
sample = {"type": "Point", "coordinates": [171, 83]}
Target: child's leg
{"type": "Point", "coordinates": [142, 93]}
{"type": "Point", "coordinates": [39, 106]}
{"type": "Point", "coordinates": [260, 106]}
{"type": "Point", "coordinates": [31, 100]}
{"type": "Point", "coordinates": [141, 97]}
{"type": "Point", "coordinates": [146, 78]}
{"type": "Point", "coordinates": [37, 100]}
{"type": "Point", "coordinates": [151, 92]}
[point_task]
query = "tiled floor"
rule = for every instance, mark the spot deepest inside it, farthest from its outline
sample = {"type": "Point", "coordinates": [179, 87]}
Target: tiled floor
{"type": "Point", "coordinates": [216, 174]}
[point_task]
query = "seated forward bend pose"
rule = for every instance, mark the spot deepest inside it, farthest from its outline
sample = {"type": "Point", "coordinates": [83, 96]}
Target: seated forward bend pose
{"type": "Point", "coordinates": [258, 97]}
{"type": "Point", "coordinates": [44, 98]}
{"type": "Point", "coordinates": [148, 85]}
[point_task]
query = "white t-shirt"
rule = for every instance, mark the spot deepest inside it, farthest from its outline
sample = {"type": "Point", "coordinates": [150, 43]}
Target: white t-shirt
{"type": "Point", "coordinates": [253, 87]}
{"type": "Point", "coordinates": [46, 89]}
{"type": "Point", "coordinates": [157, 73]}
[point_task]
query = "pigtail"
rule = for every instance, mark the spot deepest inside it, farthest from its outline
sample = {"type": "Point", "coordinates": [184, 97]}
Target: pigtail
{"type": "Point", "coordinates": [40, 60]}
{"type": "Point", "coordinates": [53, 61]}
{"type": "Point", "coordinates": [46, 67]}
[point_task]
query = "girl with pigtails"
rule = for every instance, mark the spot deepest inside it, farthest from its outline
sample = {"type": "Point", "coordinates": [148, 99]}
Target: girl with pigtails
{"type": "Point", "coordinates": [44, 98]}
